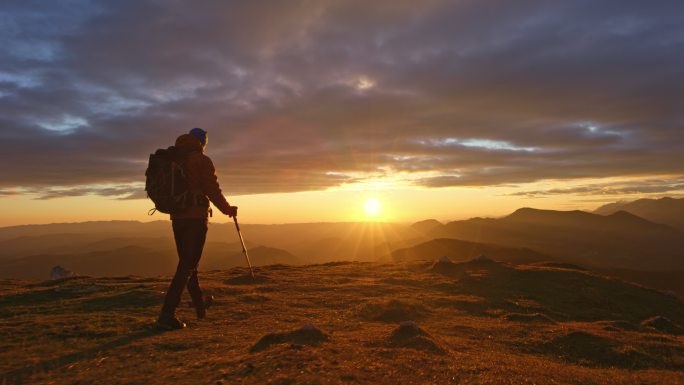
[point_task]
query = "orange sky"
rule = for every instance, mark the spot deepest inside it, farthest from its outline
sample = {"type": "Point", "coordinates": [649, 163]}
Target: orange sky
{"type": "Point", "coordinates": [398, 204]}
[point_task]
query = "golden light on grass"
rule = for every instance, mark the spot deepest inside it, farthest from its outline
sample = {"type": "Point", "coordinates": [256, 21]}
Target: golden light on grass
{"type": "Point", "coordinates": [372, 207]}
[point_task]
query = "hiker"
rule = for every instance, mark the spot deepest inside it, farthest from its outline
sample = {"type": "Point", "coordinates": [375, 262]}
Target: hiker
{"type": "Point", "coordinates": [190, 227]}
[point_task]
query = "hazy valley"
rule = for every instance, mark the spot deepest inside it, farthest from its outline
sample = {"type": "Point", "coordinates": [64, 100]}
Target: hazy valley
{"type": "Point", "coordinates": [619, 243]}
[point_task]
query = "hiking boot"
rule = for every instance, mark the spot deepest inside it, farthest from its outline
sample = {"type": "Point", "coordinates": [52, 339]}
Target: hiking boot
{"type": "Point", "coordinates": [169, 322]}
{"type": "Point", "coordinates": [202, 310]}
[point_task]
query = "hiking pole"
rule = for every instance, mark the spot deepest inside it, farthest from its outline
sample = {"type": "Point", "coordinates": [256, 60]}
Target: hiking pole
{"type": "Point", "coordinates": [244, 249]}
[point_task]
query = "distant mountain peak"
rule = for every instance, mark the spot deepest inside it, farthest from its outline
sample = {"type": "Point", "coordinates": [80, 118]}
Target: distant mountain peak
{"type": "Point", "coordinates": [426, 225]}
{"type": "Point", "coordinates": [427, 222]}
{"type": "Point", "coordinates": [532, 213]}
{"type": "Point", "coordinates": [624, 214]}
{"type": "Point", "coordinates": [665, 210]}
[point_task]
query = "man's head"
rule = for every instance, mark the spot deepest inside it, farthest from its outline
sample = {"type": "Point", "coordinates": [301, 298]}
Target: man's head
{"type": "Point", "coordinates": [201, 135]}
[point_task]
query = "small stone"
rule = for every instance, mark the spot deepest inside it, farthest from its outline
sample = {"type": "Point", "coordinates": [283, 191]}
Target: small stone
{"type": "Point", "coordinates": [308, 326]}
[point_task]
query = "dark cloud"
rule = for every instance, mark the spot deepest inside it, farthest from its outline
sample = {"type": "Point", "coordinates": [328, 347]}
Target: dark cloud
{"type": "Point", "coordinates": [306, 95]}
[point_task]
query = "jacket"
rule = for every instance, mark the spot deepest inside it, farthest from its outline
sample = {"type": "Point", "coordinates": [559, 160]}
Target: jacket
{"type": "Point", "coordinates": [202, 180]}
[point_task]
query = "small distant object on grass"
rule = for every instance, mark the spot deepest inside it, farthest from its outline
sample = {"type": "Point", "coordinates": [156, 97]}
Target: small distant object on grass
{"type": "Point", "coordinates": [58, 272]}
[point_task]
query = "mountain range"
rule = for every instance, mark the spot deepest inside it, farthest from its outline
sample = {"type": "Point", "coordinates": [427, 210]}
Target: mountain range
{"type": "Point", "coordinates": [621, 239]}
{"type": "Point", "coordinates": [668, 211]}
{"type": "Point", "coordinates": [608, 240]}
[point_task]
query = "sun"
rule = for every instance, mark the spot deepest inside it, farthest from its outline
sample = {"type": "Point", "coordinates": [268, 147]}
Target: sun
{"type": "Point", "coordinates": [372, 207]}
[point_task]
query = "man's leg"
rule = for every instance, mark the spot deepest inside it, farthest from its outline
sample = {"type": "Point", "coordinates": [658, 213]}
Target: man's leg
{"type": "Point", "coordinates": [193, 282]}
{"type": "Point", "coordinates": [190, 235]}
{"type": "Point", "coordinates": [194, 289]}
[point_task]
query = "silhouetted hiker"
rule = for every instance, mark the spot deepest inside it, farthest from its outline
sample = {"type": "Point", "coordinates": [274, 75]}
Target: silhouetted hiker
{"type": "Point", "coordinates": [190, 227]}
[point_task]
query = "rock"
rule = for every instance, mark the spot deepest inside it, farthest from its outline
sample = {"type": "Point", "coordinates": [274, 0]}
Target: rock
{"type": "Point", "coordinates": [410, 335]}
{"type": "Point", "coordinates": [444, 265]}
{"type": "Point", "coordinates": [406, 330]}
{"type": "Point", "coordinates": [308, 334]}
{"type": "Point", "coordinates": [662, 324]}
{"type": "Point", "coordinates": [308, 327]}
{"type": "Point", "coordinates": [482, 258]}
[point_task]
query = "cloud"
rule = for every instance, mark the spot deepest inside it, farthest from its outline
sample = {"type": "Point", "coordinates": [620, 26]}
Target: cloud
{"type": "Point", "coordinates": [649, 186]}
{"type": "Point", "coordinates": [124, 192]}
{"type": "Point", "coordinates": [308, 95]}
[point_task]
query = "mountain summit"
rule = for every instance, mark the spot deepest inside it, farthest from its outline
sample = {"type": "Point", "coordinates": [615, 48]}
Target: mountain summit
{"type": "Point", "coordinates": [479, 321]}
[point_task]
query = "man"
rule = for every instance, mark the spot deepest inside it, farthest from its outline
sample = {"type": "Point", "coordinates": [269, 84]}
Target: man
{"type": "Point", "coordinates": [190, 227]}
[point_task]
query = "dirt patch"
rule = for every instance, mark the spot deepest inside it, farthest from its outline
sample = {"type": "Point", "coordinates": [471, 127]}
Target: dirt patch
{"type": "Point", "coordinates": [306, 335]}
{"type": "Point", "coordinates": [335, 263]}
{"type": "Point", "coordinates": [253, 298]}
{"type": "Point", "coordinates": [410, 335]}
{"type": "Point", "coordinates": [247, 279]}
{"type": "Point", "coordinates": [138, 298]}
{"type": "Point", "coordinates": [528, 318]}
{"type": "Point", "coordinates": [594, 350]}
{"type": "Point", "coordinates": [77, 331]}
{"type": "Point", "coordinates": [279, 266]}
{"type": "Point", "coordinates": [174, 346]}
{"type": "Point", "coordinates": [394, 311]}
{"type": "Point", "coordinates": [662, 324]}
{"type": "Point", "coordinates": [403, 282]}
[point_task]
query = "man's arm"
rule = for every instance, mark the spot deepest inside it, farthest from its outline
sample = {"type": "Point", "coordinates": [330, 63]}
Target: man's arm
{"type": "Point", "coordinates": [211, 187]}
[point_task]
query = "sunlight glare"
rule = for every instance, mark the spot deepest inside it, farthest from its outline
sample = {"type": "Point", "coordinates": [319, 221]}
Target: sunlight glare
{"type": "Point", "coordinates": [372, 207]}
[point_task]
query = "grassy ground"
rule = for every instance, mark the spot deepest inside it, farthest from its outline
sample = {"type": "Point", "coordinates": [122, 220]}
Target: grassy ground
{"type": "Point", "coordinates": [482, 323]}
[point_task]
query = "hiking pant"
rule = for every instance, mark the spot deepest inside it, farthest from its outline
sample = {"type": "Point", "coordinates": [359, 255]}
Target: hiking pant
{"type": "Point", "coordinates": [190, 235]}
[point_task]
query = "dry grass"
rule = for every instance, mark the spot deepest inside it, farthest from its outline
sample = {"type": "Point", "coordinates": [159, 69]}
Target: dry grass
{"type": "Point", "coordinates": [474, 323]}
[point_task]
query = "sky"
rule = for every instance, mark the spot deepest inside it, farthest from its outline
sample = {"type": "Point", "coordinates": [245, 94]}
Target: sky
{"type": "Point", "coordinates": [435, 109]}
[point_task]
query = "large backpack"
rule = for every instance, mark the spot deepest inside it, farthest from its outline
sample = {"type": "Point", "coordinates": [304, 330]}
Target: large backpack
{"type": "Point", "coordinates": [166, 183]}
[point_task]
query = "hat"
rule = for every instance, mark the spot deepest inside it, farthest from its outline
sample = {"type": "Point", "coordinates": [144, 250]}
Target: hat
{"type": "Point", "coordinates": [199, 134]}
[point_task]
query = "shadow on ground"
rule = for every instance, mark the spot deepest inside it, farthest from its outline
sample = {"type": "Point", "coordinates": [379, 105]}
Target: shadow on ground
{"type": "Point", "coordinates": [18, 376]}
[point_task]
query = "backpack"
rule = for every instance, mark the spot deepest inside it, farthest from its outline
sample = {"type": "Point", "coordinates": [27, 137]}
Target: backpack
{"type": "Point", "coordinates": [166, 183]}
